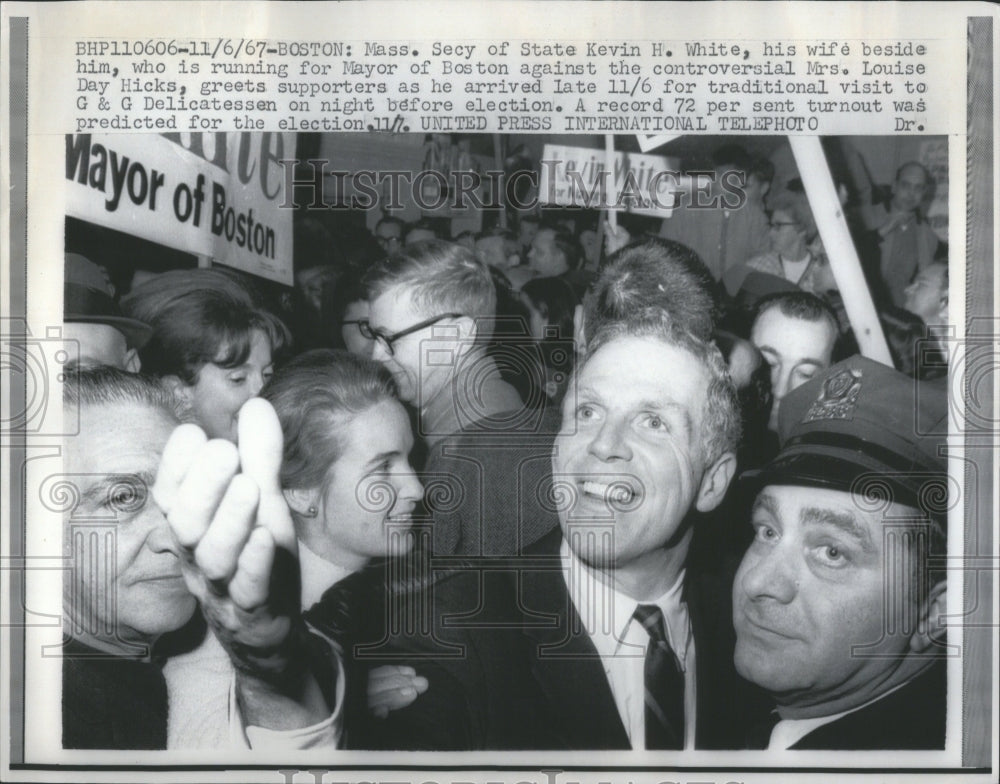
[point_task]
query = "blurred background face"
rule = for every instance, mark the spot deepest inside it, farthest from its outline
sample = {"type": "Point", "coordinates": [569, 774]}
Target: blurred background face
{"type": "Point", "coordinates": [355, 342]}
{"type": "Point", "coordinates": [544, 257]}
{"type": "Point", "coordinates": [214, 400]}
{"type": "Point", "coordinates": [389, 236]}
{"type": "Point", "coordinates": [795, 349]}
{"type": "Point", "coordinates": [909, 189]}
{"type": "Point", "coordinates": [312, 282]}
{"type": "Point", "coordinates": [786, 238]}
{"type": "Point", "coordinates": [526, 232]}
{"type": "Point", "coordinates": [99, 344]}
{"type": "Point", "coordinates": [925, 297]}
{"type": "Point", "coordinates": [368, 502]}
{"type": "Point", "coordinates": [591, 248]}
{"type": "Point", "coordinates": [492, 251]}
{"type": "Point", "coordinates": [136, 575]}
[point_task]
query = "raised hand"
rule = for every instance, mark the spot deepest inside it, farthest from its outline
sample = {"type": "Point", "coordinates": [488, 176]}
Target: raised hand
{"type": "Point", "coordinates": [235, 537]}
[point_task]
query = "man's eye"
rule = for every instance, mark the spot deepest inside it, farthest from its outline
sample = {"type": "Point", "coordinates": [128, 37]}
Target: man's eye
{"type": "Point", "coordinates": [237, 379]}
{"type": "Point", "coordinates": [585, 412]}
{"type": "Point", "coordinates": [832, 555]}
{"type": "Point", "coordinates": [764, 533]}
{"type": "Point", "coordinates": [655, 422]}
{"type": "Point", "coordinates": [126, 495]}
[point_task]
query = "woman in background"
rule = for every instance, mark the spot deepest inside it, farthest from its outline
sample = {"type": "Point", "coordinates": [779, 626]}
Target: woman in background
{"type": "Point", "coordinates": [212, 345]}
{"type": "Point", "coordinates": [346, 473]}
{"type": "Point", "coordinates": [796, 253]}
{"type": "Point", "coordinates": [348, 482]}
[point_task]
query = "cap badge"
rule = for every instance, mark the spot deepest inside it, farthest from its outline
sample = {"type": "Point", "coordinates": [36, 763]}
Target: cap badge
{"type": "Point", "coordinates": [838, 397]}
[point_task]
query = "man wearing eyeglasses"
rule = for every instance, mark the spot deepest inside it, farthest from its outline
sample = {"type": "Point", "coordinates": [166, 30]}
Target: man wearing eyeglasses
{"type": "Point", "coordinates": [389, 233]}
{"type": "Point", "coordinates": [431, 308]}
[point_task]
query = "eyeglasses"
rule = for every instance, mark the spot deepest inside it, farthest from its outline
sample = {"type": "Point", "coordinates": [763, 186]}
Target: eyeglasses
{"type": "Point", "coordinates": [779, 224]}
{"type": "Point", "coordinates": [387, 339]}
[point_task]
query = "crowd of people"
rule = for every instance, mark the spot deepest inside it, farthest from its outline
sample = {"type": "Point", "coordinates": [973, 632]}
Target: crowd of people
{"type": "Point", "coordinates": [517, 491]}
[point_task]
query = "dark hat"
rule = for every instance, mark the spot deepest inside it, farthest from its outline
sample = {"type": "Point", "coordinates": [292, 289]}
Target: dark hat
{"type": "Point", "coordinates": [87, 298]}
{"type": "Point", "coordinates": [864, 427]}
{"type": "Point", "coordinates": [751, 285]}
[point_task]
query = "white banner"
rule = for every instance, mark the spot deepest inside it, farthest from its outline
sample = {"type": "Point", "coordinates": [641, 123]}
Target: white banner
{"type": "Point", "coordinates": [210, 194]}
{"type": "Point", "coordinates": [642, 184]}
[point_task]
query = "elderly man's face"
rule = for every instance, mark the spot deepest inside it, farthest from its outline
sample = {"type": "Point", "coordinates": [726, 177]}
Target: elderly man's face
{"type": "Point", "coordinates": [815, 618]}
{"type": "Point", "coordinates": [909, 189]}
{"type": "Point", "coordinates": [126, 584]}
{"type": "Point", "coordinates": [100, 344]}
{"type": "Point", "coordinates": [795, 349]}
{"type": "Point", "coordinates": [631, 446]}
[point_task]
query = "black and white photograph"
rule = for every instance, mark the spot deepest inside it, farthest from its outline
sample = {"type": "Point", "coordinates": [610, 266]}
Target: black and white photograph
{"type": "Point", "coordinates": [395, 399]}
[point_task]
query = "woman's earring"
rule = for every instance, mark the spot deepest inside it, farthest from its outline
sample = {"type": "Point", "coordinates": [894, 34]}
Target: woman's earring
{"type": "Point", "coordinates": [312, 511]}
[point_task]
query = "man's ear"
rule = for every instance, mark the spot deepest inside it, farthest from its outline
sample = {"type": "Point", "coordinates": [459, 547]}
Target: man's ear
{"type": "Point", "coordinates": [180, 391]}
{"type": "Point", "coordinates": [467, 332]}
{"type": "Point", "coordinates": [715, 481]}
{"type": "Point", "coordinates": [132, 362]}
{"type": "Point", "coordinates": [931, 628]}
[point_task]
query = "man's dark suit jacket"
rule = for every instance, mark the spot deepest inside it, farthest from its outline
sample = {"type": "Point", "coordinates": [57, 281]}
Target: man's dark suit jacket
{"type": "Point", "coordinates": [912, 717]}
{"type": "Point", "coordinates": [489, 491]}
{"type": "Point", "coordinates": [511, 667]}
{"type": "Point", "coordinates": [111, 702]}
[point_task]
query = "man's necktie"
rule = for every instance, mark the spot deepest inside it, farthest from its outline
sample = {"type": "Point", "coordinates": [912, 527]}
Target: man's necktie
{"type": "Point", "coordinates": [664, 682]}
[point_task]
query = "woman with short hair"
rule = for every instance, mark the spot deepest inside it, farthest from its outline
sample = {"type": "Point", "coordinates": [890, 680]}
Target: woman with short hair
{"type": "Point", "coordinates": [212, 344]}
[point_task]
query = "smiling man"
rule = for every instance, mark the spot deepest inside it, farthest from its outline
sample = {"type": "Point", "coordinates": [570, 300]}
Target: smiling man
{"type": "Point", "coordinates": [603, 636]}
{"type": "Point", "coordinates": [646, 445]}
{"type": "Point", "coordinates": [837, 614]}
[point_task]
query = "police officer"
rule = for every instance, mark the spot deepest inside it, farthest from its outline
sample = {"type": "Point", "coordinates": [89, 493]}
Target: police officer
{"type": "Point", "coordinates": [836, 613]}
